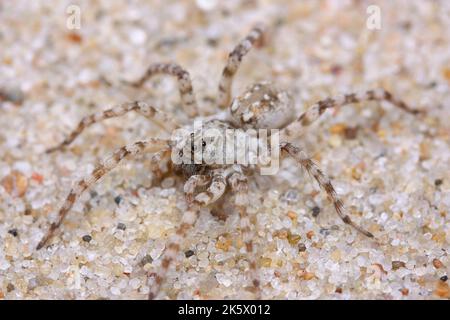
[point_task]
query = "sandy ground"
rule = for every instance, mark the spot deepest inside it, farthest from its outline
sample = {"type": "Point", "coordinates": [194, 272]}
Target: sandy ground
{"type": "Point", "coordinates": [391, 168]}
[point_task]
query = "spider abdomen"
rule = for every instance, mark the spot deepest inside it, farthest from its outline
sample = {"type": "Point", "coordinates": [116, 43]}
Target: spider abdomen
{"type": "Point", "coordinates": [263, 106]}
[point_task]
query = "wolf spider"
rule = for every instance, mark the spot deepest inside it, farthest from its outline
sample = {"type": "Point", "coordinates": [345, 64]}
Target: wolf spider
{"type": "Point", "coordinates": [261, 106]}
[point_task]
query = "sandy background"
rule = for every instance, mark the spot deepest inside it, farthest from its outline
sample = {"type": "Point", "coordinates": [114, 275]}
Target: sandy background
{"type": "Point", "coordinates": [392, 170]}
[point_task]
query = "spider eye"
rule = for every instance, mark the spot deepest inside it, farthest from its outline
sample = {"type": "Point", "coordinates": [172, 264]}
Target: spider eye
{"type": "Point", "coordinates": [203, 143]}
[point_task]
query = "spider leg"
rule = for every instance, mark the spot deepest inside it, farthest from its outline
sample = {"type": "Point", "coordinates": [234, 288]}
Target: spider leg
{"type": "Point", "coordinates": [193, 183]}
{"type": "Point", "coordinates": [155, 162]}
{"type": "Point", "coordinates": [103, 168]}
{"type": "Point", "coordinates": [234, 60]}
{"type": "Point", "coordinates": [316, 110]}
{"type": "Point", "coordinates": [324, 183]}
{"type": "Point", "coordinates": [213, 193]}
{"type": "Point", "coordinates": [239, 185]}
{"type": "Point", "coordinates": [184, 83]}
{"type": "Point", "coordinates": [173, 248]}
{"type": "Point", "coordinates": [141, 107]}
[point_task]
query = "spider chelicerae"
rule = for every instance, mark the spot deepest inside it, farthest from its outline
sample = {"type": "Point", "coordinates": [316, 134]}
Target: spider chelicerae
{"type": "Point", "coordinates": [261, 106]}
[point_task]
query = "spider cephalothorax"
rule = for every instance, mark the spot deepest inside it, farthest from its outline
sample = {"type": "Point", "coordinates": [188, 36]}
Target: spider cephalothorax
{"type": "Point", "coordinates": [201, 155]}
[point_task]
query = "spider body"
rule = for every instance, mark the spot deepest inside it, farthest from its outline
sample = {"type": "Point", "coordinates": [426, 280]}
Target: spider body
{"type": "Point", "coordinates": [263, 106]}
{"type": "Point", "coordinates": [196, 149]}
{"type": "Point", "coordinates": [208, 156]}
